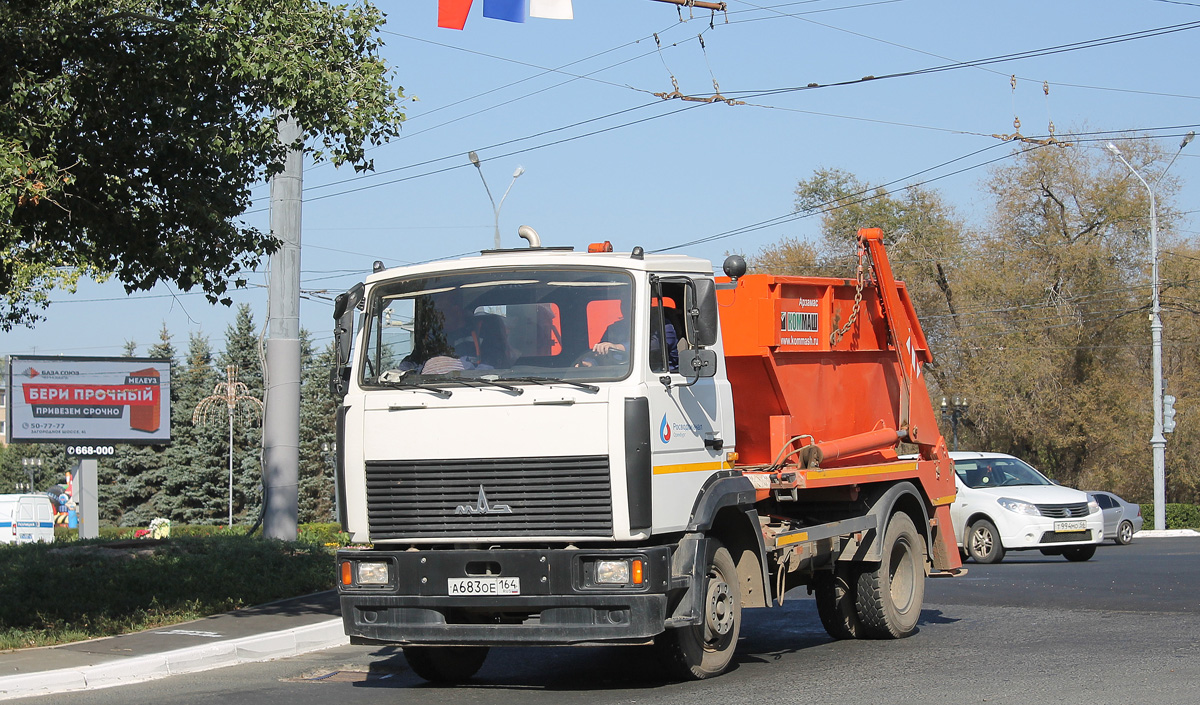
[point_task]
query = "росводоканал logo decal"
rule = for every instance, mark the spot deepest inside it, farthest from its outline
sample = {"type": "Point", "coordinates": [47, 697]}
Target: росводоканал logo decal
{"type": "Point", "coordinates": [664, 430]}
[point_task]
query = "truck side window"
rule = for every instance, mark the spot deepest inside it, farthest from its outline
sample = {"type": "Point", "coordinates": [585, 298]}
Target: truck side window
{"type": "Point", "coordinates": [666, 324]}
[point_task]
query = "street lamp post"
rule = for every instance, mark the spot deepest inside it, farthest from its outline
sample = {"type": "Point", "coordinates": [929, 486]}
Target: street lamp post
{"type": "Point", "coordinates": [495, 207]}
{"type": "Point", "coordinates": [955, 411]}
{"type": "Point", "coordinates": [1158, 442]}
{"type": "Point", "coordinates": [33, 468]}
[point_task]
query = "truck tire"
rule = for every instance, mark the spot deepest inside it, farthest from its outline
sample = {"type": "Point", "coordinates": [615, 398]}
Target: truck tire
{"type": "Point", "coordinates": [891, 593]}
{"type": "Point", "coordinates": [1079, 553]}
{"type": "Point", "coordinates": [705, 650]}
{"type": "Point", "coordinates": [836, 593]}
{"type": "Point", "coordinates": [445, 664]}
{"type": "Point", "coordinates": [983, 542]}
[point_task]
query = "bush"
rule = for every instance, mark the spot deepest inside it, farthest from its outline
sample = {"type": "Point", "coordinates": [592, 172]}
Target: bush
{"type": "Point", "coordinates": [1179, 516]}
{"type": "Point", "coordinates": [320, 534]}
{"type": "Point", "coordinates": [323, 534]}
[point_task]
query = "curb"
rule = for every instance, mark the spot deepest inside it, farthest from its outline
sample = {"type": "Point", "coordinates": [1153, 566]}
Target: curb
{"type": "Point", "coordinates": [1165, 533]}
{"type": "Point", "coordinates": [261, 647]}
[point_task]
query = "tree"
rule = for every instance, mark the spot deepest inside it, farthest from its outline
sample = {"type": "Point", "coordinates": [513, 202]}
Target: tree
{"type": "Point", "coordinates": [131, 132]}
{"type": "Point", "coordinates": [317, 438]}
{"type": "Point", "coordinates": [1059, 293]}
{"type": "Point", "coordinates": [922, 234]}
{"type": "Point", "coordinates": [196, 481]}
{"type": "Point", "coordinates": [1039, 318]}
{"type": "Point", "coordinates": [242, 351]}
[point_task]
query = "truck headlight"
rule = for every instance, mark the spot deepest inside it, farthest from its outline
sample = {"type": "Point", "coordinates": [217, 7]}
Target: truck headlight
{"type": "Point", "coordinates": [626, 571]}
{"type": "Point", "coordinates": [612, 572]}
{"type": "Point", "coordinates": [1016, 505]}
{"type": "Point", "coordinates": [372, 573]}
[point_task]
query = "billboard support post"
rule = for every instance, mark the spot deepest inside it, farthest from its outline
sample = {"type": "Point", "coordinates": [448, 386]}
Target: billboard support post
{"type": "Point", "coordinates": [87, 503]}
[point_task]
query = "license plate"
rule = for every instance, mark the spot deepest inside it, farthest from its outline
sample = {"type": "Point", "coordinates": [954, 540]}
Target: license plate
{"type": "Point", "coordinates": [1066, 526]}
{"type": "Point", "coordinates": [483, 586]}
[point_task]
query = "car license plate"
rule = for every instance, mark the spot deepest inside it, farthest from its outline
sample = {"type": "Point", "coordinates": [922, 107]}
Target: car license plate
{"type": "Point", "coordinates": [483, 586]}
{"type": "Point", "coordinates": [1066, 526]}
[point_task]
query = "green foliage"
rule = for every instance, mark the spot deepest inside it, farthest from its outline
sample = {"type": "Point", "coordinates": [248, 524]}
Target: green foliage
{"type": "Point", "coordinates": [1038, 317]}
{"type": "Point", "coordinates": [51, 472]}
{"type": "Point", "coordinates": [242, 351]}
{"type": "Point", "coordinates": [133, 585]}
{"type": "Point", "coordinates": [323, 534]}
{"type": "Point", "coordinates": [196, 480]}
{"type": "Point", "coordinates": [131, 132]}
{"type": "Point", "coordinates": [318, 443]}
{"type": "Point", "coordinates": [1179, 516]}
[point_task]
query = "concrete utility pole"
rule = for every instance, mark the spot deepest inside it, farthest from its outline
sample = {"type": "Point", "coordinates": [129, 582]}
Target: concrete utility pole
{"type": "Point", "coordinates": [281, 376]}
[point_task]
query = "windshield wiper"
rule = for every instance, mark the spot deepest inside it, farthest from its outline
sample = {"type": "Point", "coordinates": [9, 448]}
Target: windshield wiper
{"type": "Point", "coordinates": [422, 386]}
{"type": "Point", "coordinates": [487, 381]}
{"type": "Point", "coordinates": [395, 380]}
{"type": "Point", "coordinates": [554, 380]}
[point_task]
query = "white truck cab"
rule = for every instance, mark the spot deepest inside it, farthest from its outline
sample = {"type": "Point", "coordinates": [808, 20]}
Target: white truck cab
{"type": "Point", "coordinates": [531, 363]}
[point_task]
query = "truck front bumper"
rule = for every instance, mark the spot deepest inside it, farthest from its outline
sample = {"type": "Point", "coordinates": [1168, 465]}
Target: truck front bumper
{"type": "Point", "coordinates": [559, 600]}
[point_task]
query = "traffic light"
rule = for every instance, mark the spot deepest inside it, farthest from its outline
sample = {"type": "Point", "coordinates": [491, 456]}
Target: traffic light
{"type": "Point", "coordinates": [1168, 413]}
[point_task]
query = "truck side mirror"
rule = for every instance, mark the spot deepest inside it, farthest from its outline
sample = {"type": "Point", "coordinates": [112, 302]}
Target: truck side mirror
{"type": "Point", "coordinates": [343, 336]}
{"type": "Point", "coordinates": [704, 313]}
{"type": "Point", "coordinates": [698, 363]}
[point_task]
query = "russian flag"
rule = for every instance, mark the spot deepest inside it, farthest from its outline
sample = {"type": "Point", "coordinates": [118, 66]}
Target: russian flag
{"type": "Point", "coordinates": [551, 9]}
{"type": "Point", "coordinates": [452, 14]}
{"type": "Point", "coordinates": [510, 10]}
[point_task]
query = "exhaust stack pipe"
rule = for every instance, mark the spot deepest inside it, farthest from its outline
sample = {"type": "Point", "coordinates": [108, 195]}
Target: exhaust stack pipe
{"type": "Point", "coordinates": [531, 235]}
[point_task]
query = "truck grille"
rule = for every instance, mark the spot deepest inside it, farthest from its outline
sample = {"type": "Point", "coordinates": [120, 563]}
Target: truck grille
{"type": "Point", "coordinates": [563, 496]}
{"type": "Point", "coordinates": [1064, 511]}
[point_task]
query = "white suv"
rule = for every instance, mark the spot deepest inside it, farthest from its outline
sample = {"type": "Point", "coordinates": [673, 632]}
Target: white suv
{"type": "Point", "coordinates": [1003, 504]}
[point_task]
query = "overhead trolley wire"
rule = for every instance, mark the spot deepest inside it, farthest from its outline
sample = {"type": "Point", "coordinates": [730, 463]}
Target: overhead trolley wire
{"type": "Point", "coordinates": [1075, 46]}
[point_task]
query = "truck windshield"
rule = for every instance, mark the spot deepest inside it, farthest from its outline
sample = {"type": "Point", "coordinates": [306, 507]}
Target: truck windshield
{"type": "Point", "coordinates": [525, 325]}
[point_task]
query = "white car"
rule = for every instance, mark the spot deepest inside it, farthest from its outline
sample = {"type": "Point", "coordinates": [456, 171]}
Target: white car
{"type": "Point", "coordinates": [1004, 504]}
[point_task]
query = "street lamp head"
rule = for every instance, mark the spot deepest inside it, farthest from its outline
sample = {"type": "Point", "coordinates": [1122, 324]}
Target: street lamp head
{"type": "Point", "coordinates": [474, 159]}
{"type": "Point", "coordinates": [520, 170]}
{"type": "Point", "coordinates": [1187, 138]}
{"type": "Point", "coordinates": [1110, 147]}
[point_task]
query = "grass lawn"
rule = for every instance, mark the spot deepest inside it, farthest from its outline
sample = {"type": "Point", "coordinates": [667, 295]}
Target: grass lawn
{"type": "Point", "coordinates": [69, 591]}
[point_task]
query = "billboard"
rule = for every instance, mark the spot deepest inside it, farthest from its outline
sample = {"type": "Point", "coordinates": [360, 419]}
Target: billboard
{"type": "Point", "coordinates": [92, 399]}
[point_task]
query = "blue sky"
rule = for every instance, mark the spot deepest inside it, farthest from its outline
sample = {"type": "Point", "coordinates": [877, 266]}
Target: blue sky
{"type": "Point", "coordinates": [572, 102]}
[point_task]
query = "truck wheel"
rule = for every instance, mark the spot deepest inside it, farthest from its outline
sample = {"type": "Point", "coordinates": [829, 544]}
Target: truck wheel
{"type": "Point", "coordinates": [836, 593]}
{"type": "Point", "coordinates": [704, 650]}
{"type": "Point", "coordinates": [445, 664]}
{"type": "Point", "coordinates": [890, 595]}
{"type": "Point", "coordinates": [983, 542]}
{"type": "Point", "coordinates": [1079, 553]}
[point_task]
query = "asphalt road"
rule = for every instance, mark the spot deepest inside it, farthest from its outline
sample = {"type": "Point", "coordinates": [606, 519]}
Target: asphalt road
{"type": "Point", "coordinates": [1121, 628]}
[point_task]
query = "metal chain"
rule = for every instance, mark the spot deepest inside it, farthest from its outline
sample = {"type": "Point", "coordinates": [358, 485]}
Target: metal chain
{"type": "Point", "coordinates": [836, 336]}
